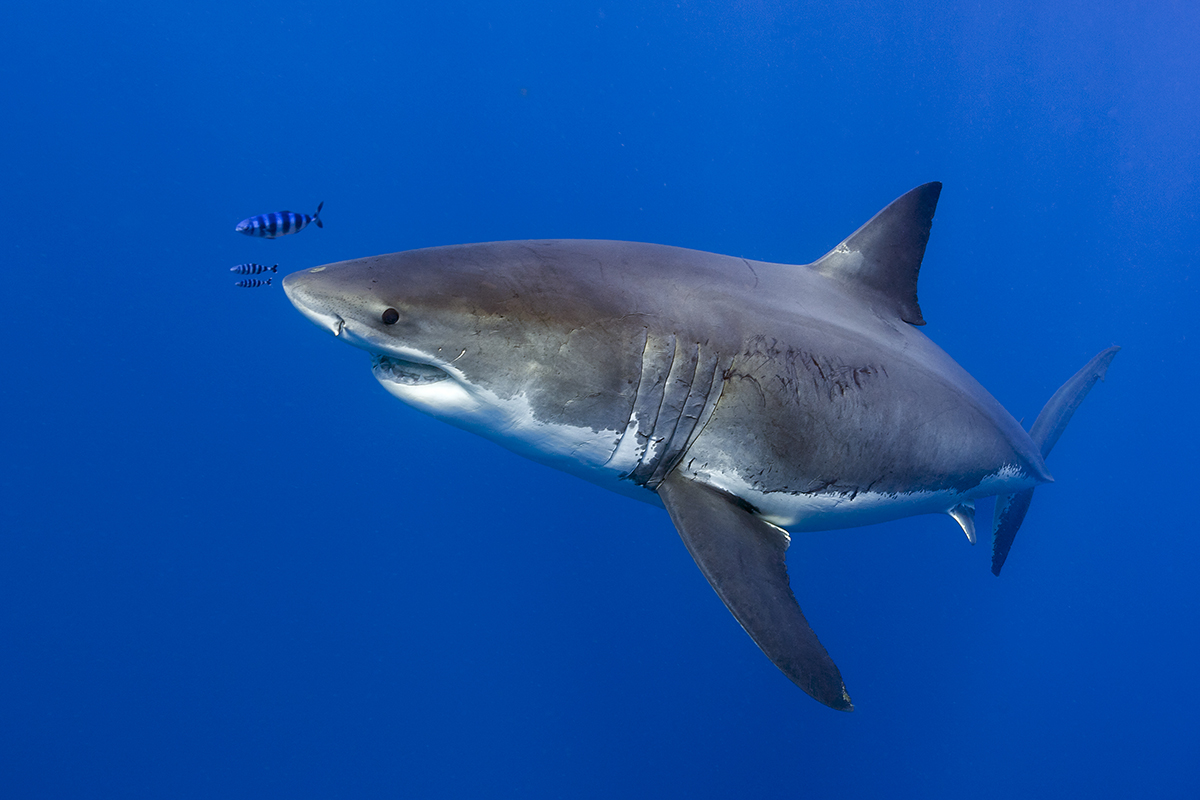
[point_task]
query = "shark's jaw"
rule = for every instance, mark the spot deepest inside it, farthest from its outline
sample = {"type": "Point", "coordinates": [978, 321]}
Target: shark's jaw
{"type": "Point", "coordinates": [408, 375]}
{"type": "Point", "coordinates": [390, 369]}
{"type": "Point", "coordinates": [433, 390]}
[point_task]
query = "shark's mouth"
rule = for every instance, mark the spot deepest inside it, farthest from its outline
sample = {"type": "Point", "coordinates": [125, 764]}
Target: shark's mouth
{"type": "Point", "coordinates": [405, 373]}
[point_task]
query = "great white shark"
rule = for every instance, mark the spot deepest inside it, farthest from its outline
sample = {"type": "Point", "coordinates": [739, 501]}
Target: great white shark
{"type": "Point", "coordinates": [749, 399]}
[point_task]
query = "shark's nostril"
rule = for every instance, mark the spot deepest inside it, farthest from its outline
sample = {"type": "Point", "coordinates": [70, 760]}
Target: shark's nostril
{"type": "Point", "coordinates": [312, 299]}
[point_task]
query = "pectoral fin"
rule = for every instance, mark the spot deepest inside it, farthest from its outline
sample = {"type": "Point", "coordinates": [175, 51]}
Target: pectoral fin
{"type": "Point", "coordinates": [743, 558]}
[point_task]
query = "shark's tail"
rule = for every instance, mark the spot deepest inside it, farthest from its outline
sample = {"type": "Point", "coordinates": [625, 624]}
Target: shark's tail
{"type": "Point", "coordinates": [1011, 508]}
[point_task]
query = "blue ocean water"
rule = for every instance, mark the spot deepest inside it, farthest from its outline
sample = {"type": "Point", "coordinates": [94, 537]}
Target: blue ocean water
{"type": "Point", "coordinates": [232, 566]}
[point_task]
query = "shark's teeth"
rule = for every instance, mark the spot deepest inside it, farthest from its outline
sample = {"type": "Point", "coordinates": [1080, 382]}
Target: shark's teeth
{"type": "Point", "coordinates": [408, 373]}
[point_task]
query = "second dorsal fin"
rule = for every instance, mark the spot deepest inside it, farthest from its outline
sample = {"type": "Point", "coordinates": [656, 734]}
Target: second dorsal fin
{"type": "Point", "coordinates": [884, 256]}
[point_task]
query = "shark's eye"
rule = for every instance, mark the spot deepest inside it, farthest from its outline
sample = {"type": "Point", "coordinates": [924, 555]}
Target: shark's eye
{"type": "Point", "coordinates": [390, 316]}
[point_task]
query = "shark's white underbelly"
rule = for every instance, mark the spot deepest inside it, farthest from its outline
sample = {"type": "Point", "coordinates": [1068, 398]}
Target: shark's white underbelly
{"type": "Point", "coordinates": [604, 456]}
{"type": "Point", "coordinates": [608, 457]}
{"type": "Point", "coordinates": [827, 510]}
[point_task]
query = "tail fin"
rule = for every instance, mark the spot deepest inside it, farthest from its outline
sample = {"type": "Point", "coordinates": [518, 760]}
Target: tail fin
{"type": "Point", "coordinates": [317, 214]}
{"type": "Point", "coordinates": [1049, 425]}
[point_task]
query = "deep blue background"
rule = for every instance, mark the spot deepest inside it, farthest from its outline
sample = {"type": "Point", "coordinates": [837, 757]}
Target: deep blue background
{"type": "Point", "coordinates": [232, 566]}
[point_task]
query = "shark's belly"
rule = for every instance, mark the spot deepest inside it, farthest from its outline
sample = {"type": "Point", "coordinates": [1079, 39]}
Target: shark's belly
{"type": "Point", "coordinates": [610, 449]}
{"type": "Point", "coordinates": [832, 509]}
{"type": "Point", "coordinates": [810, 441]}
{"type": "Point", "coordinates": [815, 441]}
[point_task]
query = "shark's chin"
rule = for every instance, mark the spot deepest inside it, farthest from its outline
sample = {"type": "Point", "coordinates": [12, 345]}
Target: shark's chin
{"type": "Point", "coordinates": [389, 369]}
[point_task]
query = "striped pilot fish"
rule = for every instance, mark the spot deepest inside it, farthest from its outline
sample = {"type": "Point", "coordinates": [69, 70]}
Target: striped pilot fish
{"type": "Point", "coordinates": [253, 269]}
{"type": "Point", "coordinates": [279, 223]}
{"type": "Point", "coordinates": [250, 283]}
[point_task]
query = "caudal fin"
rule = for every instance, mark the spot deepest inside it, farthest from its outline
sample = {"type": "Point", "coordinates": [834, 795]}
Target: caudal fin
{"type": "Point", "coordinates": [1049, 425]}
{"type": "Point", "coordinates": [317, 214]}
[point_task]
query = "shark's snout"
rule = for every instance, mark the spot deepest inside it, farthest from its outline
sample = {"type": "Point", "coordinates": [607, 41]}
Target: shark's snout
{"type": "Point", "coordinates": [304, 290]}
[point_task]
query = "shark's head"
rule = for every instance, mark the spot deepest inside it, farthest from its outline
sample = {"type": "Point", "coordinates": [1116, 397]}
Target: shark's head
{"type": "Point", "coordinates": [414, 314]}
{"type": "Point", "coordinates": [510, 340]}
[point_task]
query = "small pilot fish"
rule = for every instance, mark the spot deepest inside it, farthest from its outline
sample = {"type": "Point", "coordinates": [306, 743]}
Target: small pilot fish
{"type": "Point", "coordinates": [250, 283]}
{"type": "Point", "coordinates": [278, 223]}
{"type": "Point", "coordinates": [253, 269]}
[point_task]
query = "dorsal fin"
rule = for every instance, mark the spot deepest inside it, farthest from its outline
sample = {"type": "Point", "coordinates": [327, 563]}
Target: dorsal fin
{"type": "Point", "coordinates": [885, 254]}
